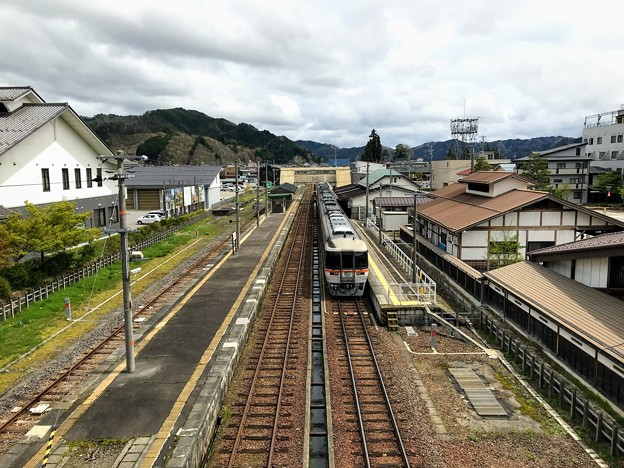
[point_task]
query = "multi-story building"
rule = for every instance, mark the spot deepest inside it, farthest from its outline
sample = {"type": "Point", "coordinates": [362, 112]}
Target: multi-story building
{"type": "Point", "coordinates": [604, 135]}
{"type": "Point", "coordinates": [569, 170]}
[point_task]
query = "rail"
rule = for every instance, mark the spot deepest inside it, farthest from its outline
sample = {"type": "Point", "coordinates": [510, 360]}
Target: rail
{"type": "Point", "coordinates": [16, 305]}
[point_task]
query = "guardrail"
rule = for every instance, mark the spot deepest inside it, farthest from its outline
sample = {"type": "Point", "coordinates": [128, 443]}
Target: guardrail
{"type": "Point", "coordinates": [15, 306]}
{"type": "Point", "coordinates": [424, 290]}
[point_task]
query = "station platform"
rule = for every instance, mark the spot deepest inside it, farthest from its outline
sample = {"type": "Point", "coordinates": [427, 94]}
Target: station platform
{"type": "Point", "coordinates": [396, 300]}
{"type": "Point", "coordinates": [166, 411]}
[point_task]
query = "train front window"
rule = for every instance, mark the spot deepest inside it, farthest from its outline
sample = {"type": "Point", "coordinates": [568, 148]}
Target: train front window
{"type": "Point", "coordinates": [361, 260]}
{"type": "Point", "coordinates": [332, 260]}
{"type": "Point", "coordinates": [347, 260]}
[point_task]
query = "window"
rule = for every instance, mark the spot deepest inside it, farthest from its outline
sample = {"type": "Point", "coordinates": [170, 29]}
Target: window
{"type": "Point", "coordinates": [77, 178]}
{"type": "Point", "coordinates": [574, 180]}
{"type": "Point", "coordinates": [599, 141]}
{"type": "Point", "coordinates": [591, 141]}
{"type": "Point", "coordinates": [99, 176]}
{"type": "Point", "coordinates": [612, 138]}
{"type": "Point", "coordinates": [65, 179]}
{"type": "Point", "coordinates": [561, 165]}
{"type": "Point", "coordinates": [99, 216]}
{"type": "Point", "coordinates": [602, 154]}
{"type": "Point", "coordinates": [557, 181]}
{"type": "Point", "coordinates": [614, 154]}
{"type": "Point", "coordinates": [576, 195]}
{"type": "Point", "coordinates": [579, 165]}
{"type": "Point", "coordinates": [620, 136]}
{"type": "Point", "coordinates": [89, 178]}
{"type": "Point", "coordinates": [45, 179]}
{"type": "Point", "coordinates": [578, 151]}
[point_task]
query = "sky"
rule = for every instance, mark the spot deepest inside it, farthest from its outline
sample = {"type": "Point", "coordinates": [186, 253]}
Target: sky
{"type": "Point", "coordinates": [327, 71]}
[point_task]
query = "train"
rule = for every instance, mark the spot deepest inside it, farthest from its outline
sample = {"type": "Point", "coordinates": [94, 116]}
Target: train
{"type": "Point", "coordinates": [344, 255]}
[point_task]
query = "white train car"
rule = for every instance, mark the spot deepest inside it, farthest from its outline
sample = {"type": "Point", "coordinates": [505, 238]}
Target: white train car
{"type": "Point", "coordinates": [344, 254]}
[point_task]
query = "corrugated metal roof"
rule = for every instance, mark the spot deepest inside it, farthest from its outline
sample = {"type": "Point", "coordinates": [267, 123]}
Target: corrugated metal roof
{"type": "Point", "coordinates": [612, 240]}
{"type": "Point", "coordinates": [16, 126]}
{"type": "Point", "coordinates": [165, 176]}
{"type": "Point", "coordinates": [401, 201]}
{"type": "Point", "coordinates": [492, 177]}
{"type": "Point", "coordinates": [376, 176]}
{"type": "Point", "coordinates": [457, 211]}
{"type": "Point", "coordinates": [593, 315]}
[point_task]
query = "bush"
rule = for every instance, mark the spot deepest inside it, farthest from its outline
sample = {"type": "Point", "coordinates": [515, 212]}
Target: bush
{"type": "Point", "coordinates": [5, 288]}
{"type": "Point", "coordinates": [17, 275]}
{"type": "Point", "coordinates": [57, 264]}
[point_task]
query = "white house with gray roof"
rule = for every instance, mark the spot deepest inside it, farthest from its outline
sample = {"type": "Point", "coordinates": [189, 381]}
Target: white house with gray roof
{"type": "Point", "coordinates": [47, 154]}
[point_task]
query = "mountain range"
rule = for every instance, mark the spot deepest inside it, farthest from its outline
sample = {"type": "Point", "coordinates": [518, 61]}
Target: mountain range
{"type": "Point", "coordinates": [180, 136]}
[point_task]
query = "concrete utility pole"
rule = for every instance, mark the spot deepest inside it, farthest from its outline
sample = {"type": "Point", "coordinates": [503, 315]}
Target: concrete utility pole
{"type": "Point", "coordinates": [120, 176]}
{"type": "Point", "coordinates": [258, 196]}
{"type": "Point", "coordinates": [414, 278]}
{"type": "Point", "coordinates": [367, 184]}
{"type": "Point", "coordinates": [237, 204]}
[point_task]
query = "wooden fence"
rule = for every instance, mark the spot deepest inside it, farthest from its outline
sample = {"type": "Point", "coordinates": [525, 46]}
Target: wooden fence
{"type": "Point", "coordinates": [557, 387]}
{"type": "Point", "coordinates": [15, 306]}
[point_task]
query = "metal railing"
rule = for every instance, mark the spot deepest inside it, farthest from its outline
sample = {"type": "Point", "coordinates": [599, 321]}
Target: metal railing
{"type": "Point", "coordinates": [424, 290]}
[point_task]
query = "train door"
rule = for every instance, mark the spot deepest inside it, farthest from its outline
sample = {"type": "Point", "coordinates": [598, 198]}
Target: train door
{"type": "Point", "coordinates": [347, 268]}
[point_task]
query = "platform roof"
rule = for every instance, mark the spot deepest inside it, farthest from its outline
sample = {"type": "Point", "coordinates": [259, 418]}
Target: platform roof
{"type": "Point", "coordinates": [589, 313]}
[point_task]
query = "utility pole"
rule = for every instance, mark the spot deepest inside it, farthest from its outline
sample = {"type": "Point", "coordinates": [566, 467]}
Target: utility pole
{"type": "Point", "coordinates": [120, 176]}
{"type": "Point", "coordinates": [367, 183]}
{"type": "Point", "coordinates": [237, 205]}
{"type": "Point", "coordinates": [414, 221]}
{"type": "Point", "coordinates": [266, 189]}
{"type": "Point", "coordinates": [258, 195]}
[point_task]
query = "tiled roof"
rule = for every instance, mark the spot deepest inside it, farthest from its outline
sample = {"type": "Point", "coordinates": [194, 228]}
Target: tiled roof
{"type": "Point", "coordinates": [165, 176]}
{"type": "Point", "coordinates": [592, 314]}
{"type": "Point", "coordinates": [13, 93]}
{"type": "Point", "coordinates": [16, 126]}
{"type": "Point", "coordinates": [612, 240]}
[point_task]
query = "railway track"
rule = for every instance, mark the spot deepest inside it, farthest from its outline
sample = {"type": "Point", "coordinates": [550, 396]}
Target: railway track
{"type": "Point", "coordinates": [265, 426]}
{"type": "Point", "coordinates": [64, 382]}
{"type": "Point", "coordinates": [366, 432]}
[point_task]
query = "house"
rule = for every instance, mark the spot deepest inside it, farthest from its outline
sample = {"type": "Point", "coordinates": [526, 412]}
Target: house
{"type": "Point", "coordinates": [174, 189]}
{"type": "Point", "coordinates": [569, 170]}
{"type": "Point", "coordinates": [381, 183]}
{"type": "Point", "coordinates": [492, 209]}
{"type": "Point", "coordinates": [597, 262]}
{"type": "Point", "coordinates": [604, 135]}
{"type": "Point", "coordinates": [48, 153]}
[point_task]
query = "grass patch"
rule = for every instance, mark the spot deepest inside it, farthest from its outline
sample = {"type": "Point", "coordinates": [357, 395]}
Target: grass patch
{"type": "Point", "coordinates": [33, 326]}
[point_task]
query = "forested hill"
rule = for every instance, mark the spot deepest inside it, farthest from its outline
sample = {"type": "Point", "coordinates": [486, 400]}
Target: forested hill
{"type": "Point", "coordinates": [508, 149]}
{"type": "Point", "coordinates": [180, 136]}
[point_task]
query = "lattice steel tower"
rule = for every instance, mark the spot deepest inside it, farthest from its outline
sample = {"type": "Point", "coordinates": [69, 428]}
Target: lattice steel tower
{"type": "Point", "coordinates": [464, 132]}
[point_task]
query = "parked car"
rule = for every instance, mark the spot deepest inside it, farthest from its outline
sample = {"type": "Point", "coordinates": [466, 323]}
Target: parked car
{"type": "Point", "coordinates": [160, 213]}
{"type": "Point", "coordinates": [149, 218]}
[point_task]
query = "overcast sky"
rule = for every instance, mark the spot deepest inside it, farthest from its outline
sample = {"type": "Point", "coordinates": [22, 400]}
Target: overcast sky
{"type": "Point", "coordinates": [327, 71]}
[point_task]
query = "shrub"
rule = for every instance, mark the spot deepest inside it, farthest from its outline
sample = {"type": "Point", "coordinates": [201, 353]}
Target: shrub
{"type": "Point", "coordinates": [5, 288]}
{"type": "Point", "coordinates": [17, 275]}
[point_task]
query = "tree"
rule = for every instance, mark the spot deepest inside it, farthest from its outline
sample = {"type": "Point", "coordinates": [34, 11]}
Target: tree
{"type": "Point", "coordinates": [560, 192]}
{"type": "Point", "coordinates": [401, 152]}
{"type": "Point", "coordinates": [481, 164]}
{"type": "Point", "coordinates": [608, 183]}
{"type": "Point", "coordinates": [504, 251]}
{"type": "Point", "coordinates": [51, 228]}
{"type": "Point", "coordinates": [536, 170]}
{"type": "Point", "coordinates": [373, 150]}
{"type": "Point", "coordinates": [451, 154]}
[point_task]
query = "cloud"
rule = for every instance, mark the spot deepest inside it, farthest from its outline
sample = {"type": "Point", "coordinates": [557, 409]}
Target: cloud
{"type": "Point", "coordinates": [326, 71]}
